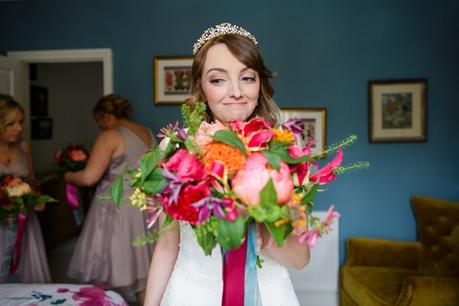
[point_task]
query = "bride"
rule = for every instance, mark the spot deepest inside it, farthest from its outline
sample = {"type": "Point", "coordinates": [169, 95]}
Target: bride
{"type": "Point", "coordinates": [230, 76]}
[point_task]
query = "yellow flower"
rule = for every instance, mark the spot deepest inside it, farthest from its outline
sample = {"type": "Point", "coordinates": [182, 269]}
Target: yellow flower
{"type": "Point", "coordinates": [138, 199]}
{"type": "Point", "coordinates": [285, 136]}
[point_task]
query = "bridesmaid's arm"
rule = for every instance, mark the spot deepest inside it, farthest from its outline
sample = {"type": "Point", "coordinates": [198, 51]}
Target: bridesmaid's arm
{"type": "Point", "coordinates": [107, 144]}
{"type": "Point", "coordinates": [162, 263]}
{"type": "Point", "coordinates": [292, 254]}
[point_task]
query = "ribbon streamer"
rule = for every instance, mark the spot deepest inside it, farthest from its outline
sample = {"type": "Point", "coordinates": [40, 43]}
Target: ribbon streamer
{"type": "Point", "coordinates": [15, 259]}
{"type": "Point", "coordinates": [234, 275]}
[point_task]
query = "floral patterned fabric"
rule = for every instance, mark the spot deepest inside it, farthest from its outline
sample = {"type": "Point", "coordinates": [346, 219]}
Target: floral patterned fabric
{"type": "Point", "coordinates": [58, 294]}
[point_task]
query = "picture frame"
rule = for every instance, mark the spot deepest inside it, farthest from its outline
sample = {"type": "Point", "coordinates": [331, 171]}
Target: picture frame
{"type": "Point", "coordinates": [42, 128]}
{"type": "Point", "coordinates": [172, 79]}
{"type": "Point", "coordinates": [315, 125]}
{"type": "Point", "coordinates": [397, 110]}
{"type": "Point", "coordinates": [38, 101]}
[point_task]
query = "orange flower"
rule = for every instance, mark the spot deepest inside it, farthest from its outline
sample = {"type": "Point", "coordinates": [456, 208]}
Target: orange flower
{"type": "Point", "coordinates": [232, 158]}
{"type": "Point", "coordinates": [286, 136]}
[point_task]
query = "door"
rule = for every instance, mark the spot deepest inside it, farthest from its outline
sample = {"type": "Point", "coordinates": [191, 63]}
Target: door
{"type": "Point", "coordinates": [14, 81]}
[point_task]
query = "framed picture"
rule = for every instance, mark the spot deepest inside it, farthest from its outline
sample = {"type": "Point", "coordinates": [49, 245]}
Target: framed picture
{"type": "Point", "coordinates": [397, 110]}
{"type": "Point", "coordinates": [172, 79]}
{"type": "Point", "coordinates": [315, 125]}
{"type": "Point", "coordinates": [42, 128]}
{"type": "Point", "coordinates": [38, 101]}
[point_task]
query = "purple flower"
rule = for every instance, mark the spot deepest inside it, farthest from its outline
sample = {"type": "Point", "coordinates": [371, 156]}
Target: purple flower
{"type": "Point", "coordinates": [295, 125]}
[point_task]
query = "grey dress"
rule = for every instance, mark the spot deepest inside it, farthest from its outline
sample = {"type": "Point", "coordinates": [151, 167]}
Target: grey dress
{"type": "Point", "coordinates": [104, 253]}
{"type": "Point", "coordinates": [33, 265]}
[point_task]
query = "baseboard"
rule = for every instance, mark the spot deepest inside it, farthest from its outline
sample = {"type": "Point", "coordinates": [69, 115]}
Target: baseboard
{"type": "Point", "coordinates": [318, 298]}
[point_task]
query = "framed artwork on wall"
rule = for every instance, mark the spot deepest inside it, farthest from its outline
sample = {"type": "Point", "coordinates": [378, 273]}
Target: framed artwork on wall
{"type": "Point", "coordinates": [38, 101]}
{"type": "Point", "coordinates": [42, 128]}
{"type": "Point", "coordinates": [315, 125]}
{"type": "Point", "coordinates": [397, 110]}
{"type": "Point", "coordinates": [172, 79]}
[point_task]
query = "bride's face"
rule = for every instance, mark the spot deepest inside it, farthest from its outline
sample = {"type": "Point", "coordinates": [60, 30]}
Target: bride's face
{"type": "Point", "coordinates": [231, 89]}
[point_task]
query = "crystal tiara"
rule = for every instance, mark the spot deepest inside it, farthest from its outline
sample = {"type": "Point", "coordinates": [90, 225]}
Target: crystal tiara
{"type": "Point", "coordinates": [221, 29]}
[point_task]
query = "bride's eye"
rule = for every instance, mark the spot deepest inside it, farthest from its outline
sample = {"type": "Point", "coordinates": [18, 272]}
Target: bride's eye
{"type": "Point", "coordinates": [249, 79]}
{"type": "Point", "coordinates": [217, 81]}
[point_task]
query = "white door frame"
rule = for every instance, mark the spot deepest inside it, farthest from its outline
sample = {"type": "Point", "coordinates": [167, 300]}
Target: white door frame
{"type": "Point", "coordinates": [72, 56]}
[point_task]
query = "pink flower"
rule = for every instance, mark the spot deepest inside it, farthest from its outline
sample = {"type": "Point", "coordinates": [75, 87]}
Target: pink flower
{"type": "Point", "coordinates": [78, 155]}
{"type": "Point", "coordinates": [250, 180]}
{"type": "Point", "coordinates": [187, 167]}
{"type": "Point", "coordinates": [17, 188]}
{"type": "Point", "coordinates": [326, 175]}
{"type": "Point", "coordinates": [260, 138]}
{"type": "Point", "coordinates": [205, 132]}
{"type": "Point", "coordinates": [255, 125]}
{"type": "Point", "coordinates": [332, 215]}
{"type": "Point", "coordinates": [310, 237]}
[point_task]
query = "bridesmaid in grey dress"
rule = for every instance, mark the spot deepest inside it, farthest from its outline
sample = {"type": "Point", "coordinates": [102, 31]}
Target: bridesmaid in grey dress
{"type": "Point", "coordinates": [104, 253]}
{"type": "Point", "coordinates": [15, 158]}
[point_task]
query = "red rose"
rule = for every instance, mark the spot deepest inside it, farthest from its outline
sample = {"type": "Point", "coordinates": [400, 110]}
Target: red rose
{"type": "Point", "coordinates": [182, 210]}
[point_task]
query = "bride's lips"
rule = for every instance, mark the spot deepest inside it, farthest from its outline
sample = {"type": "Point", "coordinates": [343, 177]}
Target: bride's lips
{"type": "Point", "coordinates": [234, 103]}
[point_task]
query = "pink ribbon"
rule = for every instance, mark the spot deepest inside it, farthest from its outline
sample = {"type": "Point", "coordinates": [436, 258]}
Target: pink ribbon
{"type": "Point", "coordinates": [17, 246]}
{"type": "Point", "coordinates": [234, 275]}
{"type": "Point", "coordinates": [72, 195]}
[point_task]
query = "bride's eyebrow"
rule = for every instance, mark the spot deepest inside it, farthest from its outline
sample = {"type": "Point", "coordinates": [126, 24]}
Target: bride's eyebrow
{"type": "Point", "coordinates": [216, 69]}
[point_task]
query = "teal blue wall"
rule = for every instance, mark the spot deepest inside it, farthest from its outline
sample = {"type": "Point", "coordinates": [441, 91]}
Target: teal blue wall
{"type": "Point", "coordinates": [324, 53]}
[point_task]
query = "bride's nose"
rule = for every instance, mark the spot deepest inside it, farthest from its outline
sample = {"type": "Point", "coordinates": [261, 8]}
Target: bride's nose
{"type": "Point", "coordinates": [234, 90]}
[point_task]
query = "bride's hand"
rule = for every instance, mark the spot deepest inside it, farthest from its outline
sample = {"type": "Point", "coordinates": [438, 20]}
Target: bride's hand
{"type": "Point", "coordinates": [264, 238]}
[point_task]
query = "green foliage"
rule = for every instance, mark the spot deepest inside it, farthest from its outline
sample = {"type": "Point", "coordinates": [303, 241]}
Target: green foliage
{"type": "Point", "coordinates": [230, 138]}
{"type": "Point", "coordinates": [206, 234]}
{"type": "Point", "coordinates": [116, 189]}
{"type": "Point", "coordinates": [193, 116]}
{"type": "Point", "coordinates": [155, 182]}
{"type": "Point", "coordinates": [231, 234]}
{"type": "Point", "coordinates": [279, 148]}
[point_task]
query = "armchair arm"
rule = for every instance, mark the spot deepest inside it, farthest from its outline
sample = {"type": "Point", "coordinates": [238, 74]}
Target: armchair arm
{"type": "Point", "coordinates": [382, 253]}
{"type": "Point", "coordinates": [429, 290]}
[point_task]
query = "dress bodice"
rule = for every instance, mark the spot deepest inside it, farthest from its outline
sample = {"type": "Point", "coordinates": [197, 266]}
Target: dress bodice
{"type": "Point", "coordinates": [19, 167]}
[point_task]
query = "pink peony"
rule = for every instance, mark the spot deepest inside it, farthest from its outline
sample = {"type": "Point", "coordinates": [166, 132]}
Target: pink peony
{"type": "Point", "coordinates": [205, 132]}
{"type": "Point", "coordinates": [17, 188]}
{"type": "Point", "coordinates": [78, 155]}
{"type": "Point", "coordinates": [250, 180]}
{"type": "Point", "coordinates": [187, 167]}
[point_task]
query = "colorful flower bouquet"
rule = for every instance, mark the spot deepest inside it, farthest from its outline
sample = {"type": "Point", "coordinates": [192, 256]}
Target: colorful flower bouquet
{"type": "Point", "coordinates": [220, 179]}
{"type": "Point", "coordinates": [17, 195]}
{"type": "Point", "coordinates": [72, 157]}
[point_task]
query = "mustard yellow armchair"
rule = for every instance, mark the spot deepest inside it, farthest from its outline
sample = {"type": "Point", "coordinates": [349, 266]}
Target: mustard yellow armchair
{"type": "Point", "coordinates": [381, 272]}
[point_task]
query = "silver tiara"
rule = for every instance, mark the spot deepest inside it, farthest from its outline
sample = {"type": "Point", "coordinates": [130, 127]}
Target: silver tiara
{"type": "Point", "coordinates": [221, 29]}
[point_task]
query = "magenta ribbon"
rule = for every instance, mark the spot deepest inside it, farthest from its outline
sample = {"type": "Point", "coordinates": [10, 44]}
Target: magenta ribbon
{"type": "Point", "coordinates": [17, 246]}
{"type": "Point", "coordinates": [72, 195]}
{"type": "Point", "coordinates": [234, 275]}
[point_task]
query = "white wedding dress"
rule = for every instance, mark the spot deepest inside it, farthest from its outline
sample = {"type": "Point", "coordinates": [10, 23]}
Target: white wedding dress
{"type": "Point", "coordinates": [197, 278]}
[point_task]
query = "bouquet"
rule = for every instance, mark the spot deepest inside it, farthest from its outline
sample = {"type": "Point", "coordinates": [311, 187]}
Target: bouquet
{"type": "Point", "coordinates": [17, 195]}
{"type": "Point", "coordinates": [220, 179]}
{"type": "Point", "coordinates": [72, 157]}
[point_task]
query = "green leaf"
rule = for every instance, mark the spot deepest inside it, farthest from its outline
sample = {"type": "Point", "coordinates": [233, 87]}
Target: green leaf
{"type": "Point", "coordinates": [155, 182]}
{"type": "Point", "coordinates": [168, 221]}
{"type": "Point", "coordinates": [280, 149]}
{"type": "Point", "coordinates": [279, 233]}
{"type": "Point", "coordinates": [206, 235]}
{"type": "Point", "coordinates": [149, 161]}
{"type": "Point", "coordinates": [268, 195]}
{"type": "Point", "coordinates": [230, 138]}
{"type": "Point", "coordinates": [273, 159]}
{"type": "Point", "coordinates": [116, 190]}
{"type": "Point", "coordinates": [231, 234]}
{"type": "Point", "coordinates": [45, 199]}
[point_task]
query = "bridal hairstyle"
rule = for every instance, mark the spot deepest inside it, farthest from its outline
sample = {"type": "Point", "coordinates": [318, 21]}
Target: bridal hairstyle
{"type": "Point", "coordinates": [8, 110]}
{"type": "Point", "coordinates": [245, 50]}
{"type": "Point", "coordinates": [112, 104]}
